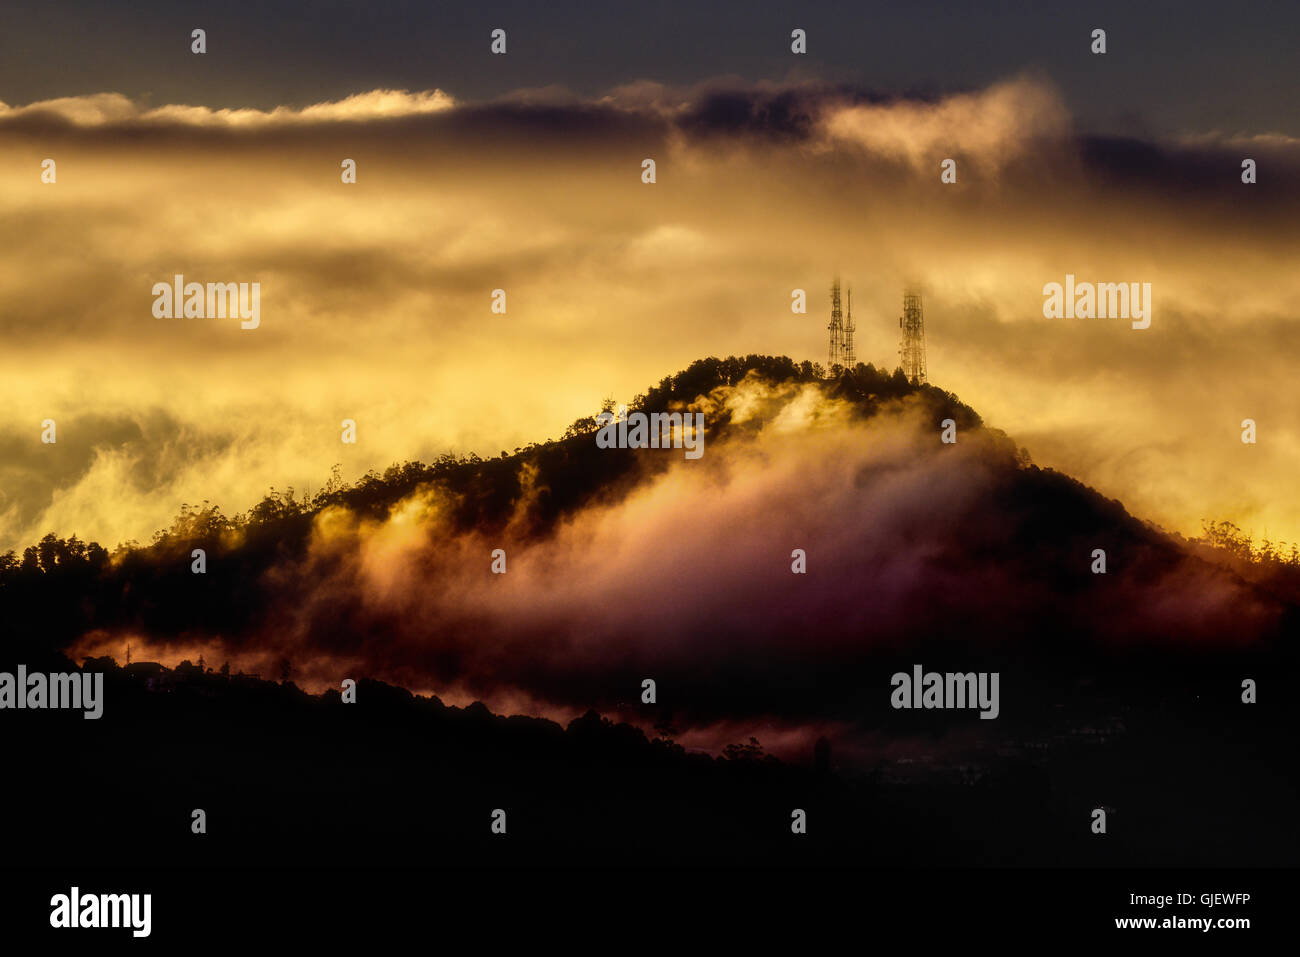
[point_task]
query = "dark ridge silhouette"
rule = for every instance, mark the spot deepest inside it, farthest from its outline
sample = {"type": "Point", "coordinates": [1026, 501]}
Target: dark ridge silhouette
{"type": "Point", "coordinates": [287, 778]}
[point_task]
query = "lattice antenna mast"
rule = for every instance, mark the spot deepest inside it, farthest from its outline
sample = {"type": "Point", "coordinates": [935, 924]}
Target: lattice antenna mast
{"type": "Point", "coordinates": [836, 327]}
{"type": "Point", "coordinates": [912, 352]}
{"type": "Point", "coordinates": [850, 357]}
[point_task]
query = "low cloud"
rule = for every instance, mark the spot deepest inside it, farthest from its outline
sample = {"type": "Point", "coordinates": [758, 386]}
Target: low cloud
{"type": "Point", "coordinates": [993, 127]}
{"type": "Point", "coordinates": [114, 109]}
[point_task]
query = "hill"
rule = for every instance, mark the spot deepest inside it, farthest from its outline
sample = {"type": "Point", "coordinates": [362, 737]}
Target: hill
{"type": "Point", "coordinates": [1119, 689]}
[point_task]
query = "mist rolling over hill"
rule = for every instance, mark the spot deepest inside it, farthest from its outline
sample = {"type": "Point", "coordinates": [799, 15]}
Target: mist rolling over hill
{"type": "Point", "coordinates": [825, 541]}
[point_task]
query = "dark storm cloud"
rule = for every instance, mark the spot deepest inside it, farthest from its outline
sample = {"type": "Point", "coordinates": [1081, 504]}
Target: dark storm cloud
{"type": "Point", "coordinates": [782, 114]}
{"type": "Point", "coordinates": [1210, 167]}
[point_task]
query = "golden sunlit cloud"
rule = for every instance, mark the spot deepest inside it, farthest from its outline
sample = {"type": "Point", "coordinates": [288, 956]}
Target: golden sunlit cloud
{"type": "Point", "coordinates": [376, 296]}
{"type": "Point", "coordinates": [994, 126]}
{"type": "Point", "coordinates": [107, 109]}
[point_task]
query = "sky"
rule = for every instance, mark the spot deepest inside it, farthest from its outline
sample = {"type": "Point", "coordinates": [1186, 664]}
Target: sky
{"type": "Point", "coordinates": [1170, 66]}
{"type": "Point", "coordinates": [523, 172]}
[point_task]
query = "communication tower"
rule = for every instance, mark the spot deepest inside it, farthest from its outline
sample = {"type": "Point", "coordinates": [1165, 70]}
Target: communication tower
{"type": "Point", "coordinates": [841, 329]}
{"type": "Point", "coordinates": [912, 352]}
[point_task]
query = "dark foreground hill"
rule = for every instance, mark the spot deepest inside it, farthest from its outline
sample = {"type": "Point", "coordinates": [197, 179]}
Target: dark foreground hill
{"type": "Point", "coordinates": [287, 778]}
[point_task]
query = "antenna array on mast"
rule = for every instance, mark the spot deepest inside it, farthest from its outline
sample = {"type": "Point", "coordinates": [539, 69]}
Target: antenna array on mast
{"type": "Point", "coordinates": [841, 329]}
{"type": "Point", "coordinates": [912, 351]}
